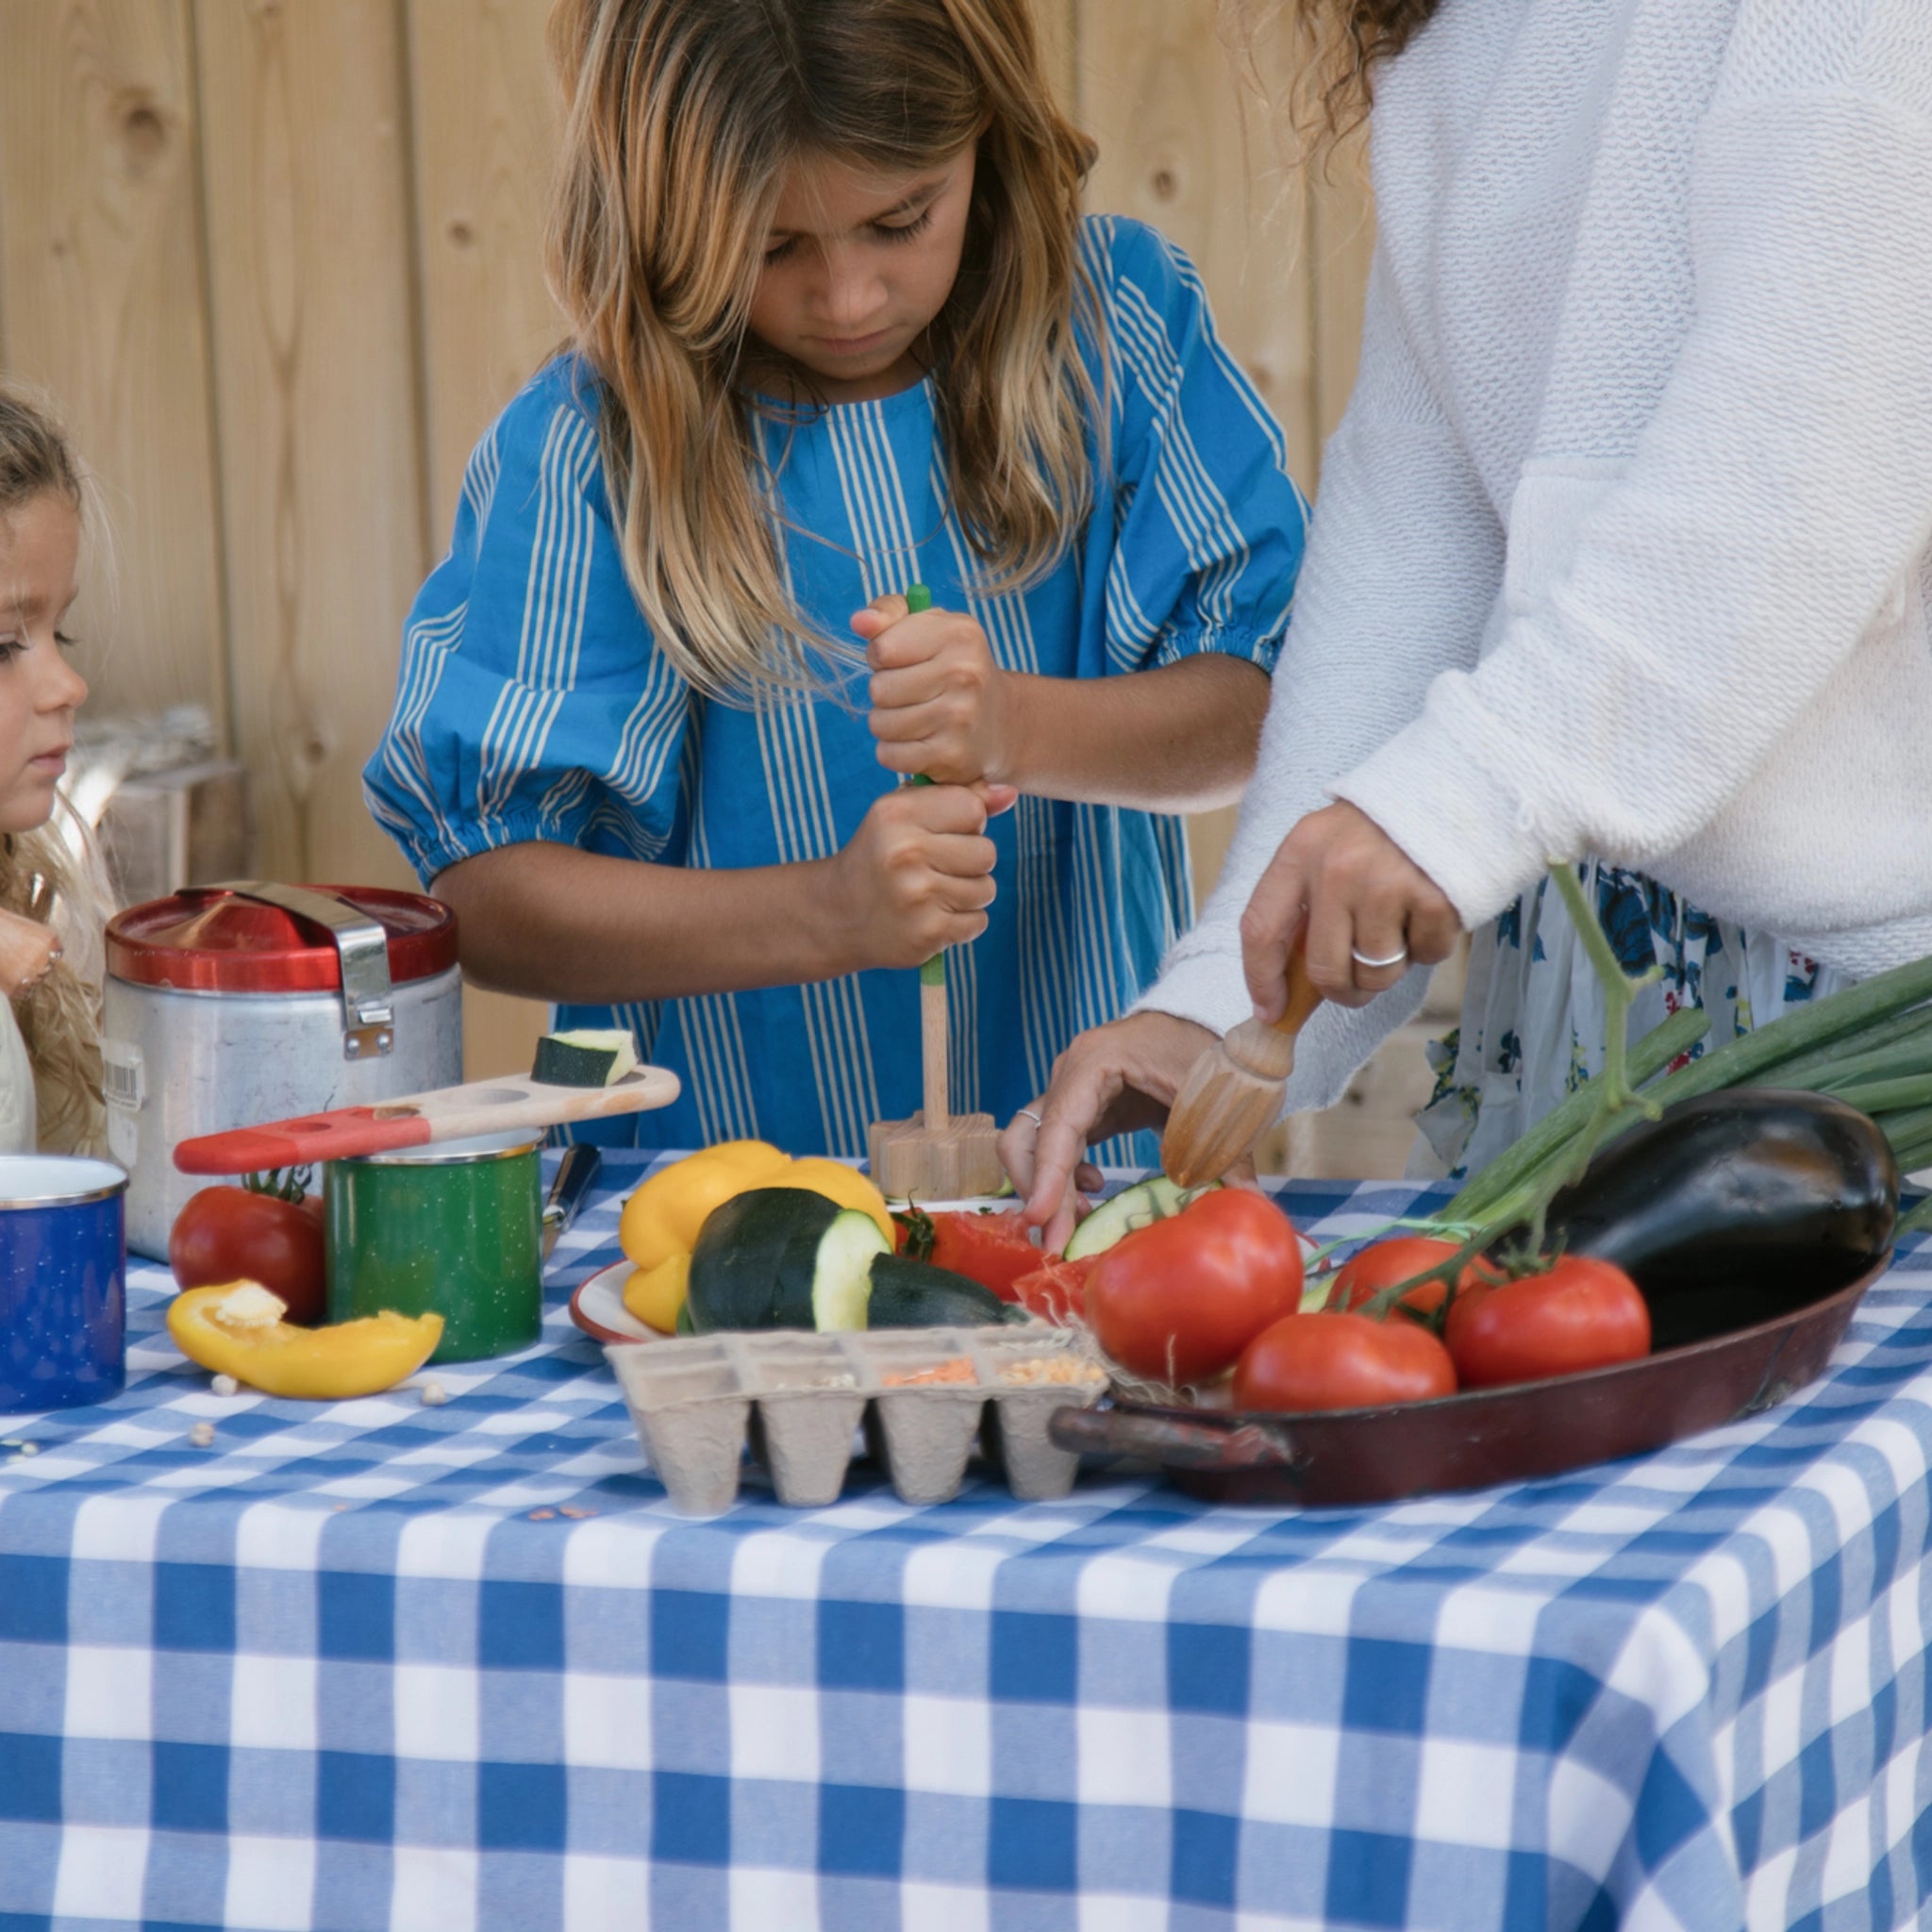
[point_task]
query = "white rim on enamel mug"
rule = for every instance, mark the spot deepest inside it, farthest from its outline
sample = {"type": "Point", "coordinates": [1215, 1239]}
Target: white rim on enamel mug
{"type": "Point", "coordinates": [56, 1180]}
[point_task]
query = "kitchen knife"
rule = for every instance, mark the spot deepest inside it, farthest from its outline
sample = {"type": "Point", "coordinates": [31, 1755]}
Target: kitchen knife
{"type": "Point", "coordinates": [576, 1173]}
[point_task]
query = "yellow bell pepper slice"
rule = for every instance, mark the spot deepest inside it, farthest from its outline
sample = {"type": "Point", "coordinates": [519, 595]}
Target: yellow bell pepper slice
{"type": "Point", "coordinates": [662, 1218]}
{"type": "Point", "coordinates": [838, 1183]}
{"type": "Point", "coordinates": [237, 1329]}
{"type": "Point", "coordinates": [654, 1295]}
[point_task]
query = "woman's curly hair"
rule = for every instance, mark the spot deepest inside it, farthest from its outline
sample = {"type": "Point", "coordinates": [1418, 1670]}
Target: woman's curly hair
{"type": "Point", "coordinates": [1329, 50]}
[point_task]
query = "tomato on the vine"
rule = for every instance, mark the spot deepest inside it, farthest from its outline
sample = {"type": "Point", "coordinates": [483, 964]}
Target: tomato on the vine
{"type": "Point", "coordinates": [1579, 1314]}
{"type": "Point", "coordinates": [1323, 1360]}
{"type": "Point", "coordinates": [235, 1234]}
{"type": "Point", "coordinates": [1178, 1300]}
{"type": "Point", "coordinates": [1383, 1263]}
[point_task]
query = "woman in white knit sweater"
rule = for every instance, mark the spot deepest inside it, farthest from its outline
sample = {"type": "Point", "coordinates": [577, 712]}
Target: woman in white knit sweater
{"type": "Point", "coordinates": [1623, 556]}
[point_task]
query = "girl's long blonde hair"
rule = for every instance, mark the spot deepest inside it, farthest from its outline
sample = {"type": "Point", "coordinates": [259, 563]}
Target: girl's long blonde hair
{"type": "Point", "coordinates": [43, 877]}
{"type": "Point", "coordinates": [681, 116]}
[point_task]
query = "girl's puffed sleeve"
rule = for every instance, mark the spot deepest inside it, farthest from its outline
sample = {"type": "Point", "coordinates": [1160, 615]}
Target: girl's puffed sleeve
{"type": "Point", "coordinates": [1207, 527]}
{"type": "Point", "coordinates": [531, 703]}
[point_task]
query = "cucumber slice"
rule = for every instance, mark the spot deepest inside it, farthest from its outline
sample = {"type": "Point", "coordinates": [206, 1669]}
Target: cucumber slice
{"type": "Point", "coordinates": [1136, 1207]}
{"type": "Point", "coordinates": [915, 1294]}
{"type": "Point", "coordinates": [590, 1057]}
{"type": "Point", "coordinates": [824, 1281]}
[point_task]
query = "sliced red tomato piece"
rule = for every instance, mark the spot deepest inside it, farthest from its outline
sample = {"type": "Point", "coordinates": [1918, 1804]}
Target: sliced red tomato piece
{"type": "Point", "coordinates": [1057, 1289]}
{"type": "Point", "coordinates": [992, 1246]}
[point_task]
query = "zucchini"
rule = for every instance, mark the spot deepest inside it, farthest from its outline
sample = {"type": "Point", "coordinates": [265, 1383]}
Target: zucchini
{"type": "Point", "coordinates": [782, 1258]}
{"type": "Point", "coordinates": [1137, 1206]}
{"type": "Point", "coordinates": [823, 1279]}
{"type": "Point", "coordinates": [915, 1294]}
{"type": "Point", "coordinates": [735, 1258]}
{"type": "Point", "coordinates": [591, 1056]}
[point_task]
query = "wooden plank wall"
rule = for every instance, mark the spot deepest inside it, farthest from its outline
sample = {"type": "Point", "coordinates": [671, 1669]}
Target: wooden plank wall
{"type": "Point", "coordinates": [279, 261]}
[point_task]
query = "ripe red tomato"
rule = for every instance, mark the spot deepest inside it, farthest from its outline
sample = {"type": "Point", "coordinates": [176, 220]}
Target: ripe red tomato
{"type": "Point", "coordinates": [1057, 1289]}
{"type": "Point", "coordinates": [1342, 1361]}
{"type": "Point", "coordinates": [1582, 1313]}
{"type": "Point", "coordinates": [991, 1247]}
{"type": "Point", "coordinates": [1178, 1300]}
{"type": "Point", "coordinates": [230, 1234]}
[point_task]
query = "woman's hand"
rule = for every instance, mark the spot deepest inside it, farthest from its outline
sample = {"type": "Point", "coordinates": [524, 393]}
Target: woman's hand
{"type": "Point", "coordinates": [917, 876]}
{"type": "Point", "coordinates": [1111, 1080]}
{"type": "Point", "coordinates": [1361, 898]}
{"type": "Point", "coordinates": [940, 705]}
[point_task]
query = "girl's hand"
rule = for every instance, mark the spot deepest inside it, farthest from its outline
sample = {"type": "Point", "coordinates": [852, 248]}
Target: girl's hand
{"type": "Point", "coordinates": [941, 704]}
{"type": "Point", "coordinates": [1361, 898]}
{"type": "Point", "coordinates": [1110, 1080]}
{"type": "Point", "coordinates": [917, 876]}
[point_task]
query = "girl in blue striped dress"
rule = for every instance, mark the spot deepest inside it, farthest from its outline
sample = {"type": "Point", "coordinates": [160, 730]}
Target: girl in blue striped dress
{"type": "Point", "coordinates": [837, 327]}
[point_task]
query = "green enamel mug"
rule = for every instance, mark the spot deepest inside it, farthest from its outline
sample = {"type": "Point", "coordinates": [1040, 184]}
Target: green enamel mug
{"type": "Point", "coordinates": [454, 1228]}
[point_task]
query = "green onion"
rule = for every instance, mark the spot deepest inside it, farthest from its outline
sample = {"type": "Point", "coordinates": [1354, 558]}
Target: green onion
{"type": "Point", "coordinates": [1888, 1096]}
{"type": "Point", "coordinates": [1740, 1062]}
{"type": "Point", "coordinates": [1909, 1134]}
{"type": "Point", "coordinates": [1899, 1044]}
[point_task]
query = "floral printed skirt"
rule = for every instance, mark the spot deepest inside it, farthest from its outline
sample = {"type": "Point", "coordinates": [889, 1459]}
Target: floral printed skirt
{"type": "Point", "coordinates": [1532, 1025]}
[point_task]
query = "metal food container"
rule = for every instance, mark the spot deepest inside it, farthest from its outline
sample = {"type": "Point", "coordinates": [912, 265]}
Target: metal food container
{"type": "Point", "coordinates": [231, 1005]}
{"type": "Point", "coordinates": [455, 1228]}
{"type": "Point", "coordinates": [62, 1281]}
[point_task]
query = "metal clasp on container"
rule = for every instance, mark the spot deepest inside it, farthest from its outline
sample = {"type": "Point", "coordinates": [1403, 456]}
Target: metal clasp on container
{"type": "Point", "coordinates": [362, 947]}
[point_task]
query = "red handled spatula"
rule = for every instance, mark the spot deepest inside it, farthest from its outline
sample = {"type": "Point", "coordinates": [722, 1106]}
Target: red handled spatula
{"type": "Point", "coordinates": [415, 1120]}
{"type": "Point", "coordinates": [1232, 1095]}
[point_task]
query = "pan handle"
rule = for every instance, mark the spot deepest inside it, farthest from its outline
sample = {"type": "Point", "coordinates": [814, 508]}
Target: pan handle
{"type": "Point", "coordinates": [1175, 1445]}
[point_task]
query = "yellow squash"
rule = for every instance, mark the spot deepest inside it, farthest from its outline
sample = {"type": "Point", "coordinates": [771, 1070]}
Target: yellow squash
{"type": "Point", "coordinates": [654, 1295]}
{"type": "Point", "coordinates": [663, 1219]}
{"type": "Point", "coordinates": [838, 1183]}
{"type": "Point", "coordinates": [237, 1329]}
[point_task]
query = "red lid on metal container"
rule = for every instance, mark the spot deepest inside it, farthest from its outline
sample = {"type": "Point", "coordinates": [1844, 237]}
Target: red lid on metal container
{"type": "Point", "coordinates": [209, 940]}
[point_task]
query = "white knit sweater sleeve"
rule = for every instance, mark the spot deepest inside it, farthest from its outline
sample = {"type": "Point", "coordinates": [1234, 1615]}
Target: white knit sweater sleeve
{"type": "Point", "coordinates": [1403, 554]}
{"type": "Point", "coordinates": [1773, 504]}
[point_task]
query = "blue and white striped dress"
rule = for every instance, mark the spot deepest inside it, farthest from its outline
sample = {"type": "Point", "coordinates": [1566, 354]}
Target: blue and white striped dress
{"type": "Point", "coordinates": [532, 705]}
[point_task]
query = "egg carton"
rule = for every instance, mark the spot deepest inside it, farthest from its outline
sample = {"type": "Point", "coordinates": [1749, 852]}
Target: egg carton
{"type": "Point", "coordinates": [798, 1399]}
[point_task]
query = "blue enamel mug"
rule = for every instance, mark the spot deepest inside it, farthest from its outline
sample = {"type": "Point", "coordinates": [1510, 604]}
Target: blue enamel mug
{"type": "Point", "coordinates": [63, 1281]}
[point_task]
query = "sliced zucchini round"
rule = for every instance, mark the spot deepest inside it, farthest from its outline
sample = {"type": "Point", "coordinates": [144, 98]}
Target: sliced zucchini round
{"type": "Point", "coordinates": [824, 1280]}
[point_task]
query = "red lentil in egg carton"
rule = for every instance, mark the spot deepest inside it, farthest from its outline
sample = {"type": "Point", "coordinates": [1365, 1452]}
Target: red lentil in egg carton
{"type": "Point", "coordinates": [924, 1396]}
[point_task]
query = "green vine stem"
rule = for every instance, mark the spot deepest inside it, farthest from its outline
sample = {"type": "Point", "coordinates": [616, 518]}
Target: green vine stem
{"type": "Point", "coordinates": [1611, 1096]}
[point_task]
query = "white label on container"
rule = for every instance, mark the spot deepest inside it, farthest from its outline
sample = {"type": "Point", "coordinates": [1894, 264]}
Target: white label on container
{"type": "Point", "coordinates": [121, 1074]}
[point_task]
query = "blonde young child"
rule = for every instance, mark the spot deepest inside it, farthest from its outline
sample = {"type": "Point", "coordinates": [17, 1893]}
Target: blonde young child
{"type": "Point", "coordinates": [50, 1059]}
{"type": "Point", "coordinates": [837, 327]}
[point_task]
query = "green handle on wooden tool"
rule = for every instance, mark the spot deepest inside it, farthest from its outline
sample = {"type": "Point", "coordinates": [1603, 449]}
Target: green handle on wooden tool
{"type": "Point", "coordinates": [933, 972]}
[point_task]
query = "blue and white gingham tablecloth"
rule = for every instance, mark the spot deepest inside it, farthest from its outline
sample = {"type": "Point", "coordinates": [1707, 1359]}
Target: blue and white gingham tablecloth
{"type": "Point", "coordinates": [381, 1665]}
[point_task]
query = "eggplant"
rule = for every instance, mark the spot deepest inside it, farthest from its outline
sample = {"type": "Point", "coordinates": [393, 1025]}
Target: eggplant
{"type": "Point", "coordinates": [1735, 1206]}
